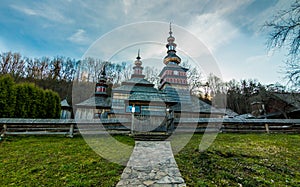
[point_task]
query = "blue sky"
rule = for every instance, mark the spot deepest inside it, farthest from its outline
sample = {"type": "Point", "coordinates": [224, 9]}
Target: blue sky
{"type": "Point", "coordinates": [230, 29]}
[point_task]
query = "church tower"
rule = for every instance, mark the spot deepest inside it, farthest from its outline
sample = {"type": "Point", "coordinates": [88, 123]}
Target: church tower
{"type": "Point", "coordinates": [138, 69]}
{"type": "Point", "coordinates": [101, 86]}
{"type": "Point", "coordinates": [173, 74]}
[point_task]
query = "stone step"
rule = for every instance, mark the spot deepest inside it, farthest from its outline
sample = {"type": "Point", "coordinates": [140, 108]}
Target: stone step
{"type": "Point", "coordinates": [151, 137]}
{"type": "Point", "coordinates": [151, 164]}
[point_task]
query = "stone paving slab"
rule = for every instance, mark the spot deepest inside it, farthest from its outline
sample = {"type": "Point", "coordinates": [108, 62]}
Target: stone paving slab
{"type": "Point", "coordinates": [151, 164]}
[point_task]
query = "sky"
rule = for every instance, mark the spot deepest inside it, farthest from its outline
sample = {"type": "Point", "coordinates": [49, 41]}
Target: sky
{"type": "Point", "coordinates": [230, 30]}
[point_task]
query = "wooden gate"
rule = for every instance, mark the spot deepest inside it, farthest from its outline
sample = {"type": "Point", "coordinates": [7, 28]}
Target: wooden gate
{"type": "Point", "coordinates": [146, 123]}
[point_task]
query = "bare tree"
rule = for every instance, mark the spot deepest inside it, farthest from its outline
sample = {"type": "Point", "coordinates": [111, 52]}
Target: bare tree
{"type": "Point", "coordinates": [12, 63]}
{"type": "Point", "coordinates": [151, 74]}
{"type": "Point", "coordinates": [56, 68]}
{"type": "Point", "coordinates": [68, 69]}
{"type": "Point", "coordinates": [215, 84]}
{"type": "Point", "coordinates": [194, 80]}
{"type": "Point", "coordinates": [127, 71]}
{"type": "Point", "coordinates": [285, 32]}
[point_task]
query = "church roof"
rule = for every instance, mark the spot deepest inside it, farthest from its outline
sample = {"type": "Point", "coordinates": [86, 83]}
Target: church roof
{"type": "Point", "coordinates": [206, 108]}
{"type": "Point", "coordinates": [136, 84]}
{"type": "Point", "coordinates": [176, 95]}
{"type": "Point", "coordinates": [149, 97]}
{"type": "Point", "coordinates": [95, 102]}
{"type": "Point", "coordinates": [138, 81]}
{"type": "Point", "coordinates": [134, 88]}
{"type": "Point", "coordinates": [64, 103]}
{"type": "Point", "coordinates": [197, 105]}
{"type": "Point", "coordinates": [146, 112]}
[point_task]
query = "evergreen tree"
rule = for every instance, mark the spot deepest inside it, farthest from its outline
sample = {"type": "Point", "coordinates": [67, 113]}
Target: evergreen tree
{"type": "Point", "coordinates": [7, 96]}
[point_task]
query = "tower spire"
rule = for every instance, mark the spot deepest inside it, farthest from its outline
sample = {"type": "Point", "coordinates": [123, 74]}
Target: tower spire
{"type": "Point", "coordinates": [170, 32]}
{"type": "Point", "coordinates": [171, 46]}
{"type": "Point", "coordinates": [138, 69]}
{"type": "Point", "coordinates": [138, 57]}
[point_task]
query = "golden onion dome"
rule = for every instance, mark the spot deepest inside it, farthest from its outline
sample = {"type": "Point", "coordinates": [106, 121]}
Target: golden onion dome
{"type": "Point", "coordinates": [172, 57]}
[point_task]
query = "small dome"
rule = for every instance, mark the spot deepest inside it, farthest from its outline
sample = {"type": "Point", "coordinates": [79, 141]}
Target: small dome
{"type": "Point", "coordinates": [138, 61]}
{"type": "Point", "coordinates": [171, 39]}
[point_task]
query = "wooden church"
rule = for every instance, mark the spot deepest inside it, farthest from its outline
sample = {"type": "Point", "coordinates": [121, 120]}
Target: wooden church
{"type": "Point", "coordinates": [139, 98]}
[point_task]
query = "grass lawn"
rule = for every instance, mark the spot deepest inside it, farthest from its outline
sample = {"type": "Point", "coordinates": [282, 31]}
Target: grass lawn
{"type": "Point", "coordinates": [242, 160]}
{"type": "Point", "coordinates": [55, 161]}
{"type": "Point", "coordinates": [232, 160]}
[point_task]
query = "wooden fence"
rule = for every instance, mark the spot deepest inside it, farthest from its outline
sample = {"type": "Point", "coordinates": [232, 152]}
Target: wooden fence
{"type": "Point", "coordinates": [232, 125]}
{"type": "Point", "coordinates": [69, 127]}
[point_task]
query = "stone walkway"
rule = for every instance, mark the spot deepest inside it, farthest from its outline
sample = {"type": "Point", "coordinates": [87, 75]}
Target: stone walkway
{"type": "Point", "coordinates": [151, 164]}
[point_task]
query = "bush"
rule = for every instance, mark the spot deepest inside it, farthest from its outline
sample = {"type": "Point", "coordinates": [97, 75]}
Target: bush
{"type": "Point", "coordinates": [7, 96]}
{"type": "Point", "coordinates": [27, 100]}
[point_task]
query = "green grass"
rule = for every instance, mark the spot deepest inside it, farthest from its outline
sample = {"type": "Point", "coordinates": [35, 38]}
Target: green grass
{"type": "Point", "coordinates": [55, 161]}
{"type": "Point", "coordinates": [242, 159]}
{"type": "Point", "coordinates": [233, 159]}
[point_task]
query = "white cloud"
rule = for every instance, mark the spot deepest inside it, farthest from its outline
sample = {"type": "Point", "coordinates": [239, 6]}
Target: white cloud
{"type": "Point", "coordinates": [258, 59]}
{"type": "Point", "coordinates": [127, 5]}
{"type": "Point", "coordinates": [212, 30]}
{"type": "Point", "coordinates": [25, 10]}
{"type": "Point", "coordinates": [79, 37]}
{"type": "Point", "coordinates": [44, 11]}
{"type": "Point", "coordinates": [212, 27]}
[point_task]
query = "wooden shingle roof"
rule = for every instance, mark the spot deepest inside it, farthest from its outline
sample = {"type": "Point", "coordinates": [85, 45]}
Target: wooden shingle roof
{"type": "Point", "coordinates": [95, 102]}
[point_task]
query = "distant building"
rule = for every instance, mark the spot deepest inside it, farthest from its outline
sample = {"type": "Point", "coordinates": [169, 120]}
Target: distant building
{"type": "Point", "coordinates": [65, 110]}
{"type": "Point", "coordinates": [278, 105]}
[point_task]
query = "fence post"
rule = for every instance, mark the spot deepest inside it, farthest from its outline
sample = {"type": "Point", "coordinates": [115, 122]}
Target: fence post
{"type": "Point", "coordinates": [267, 128]}
{"type": "Point", "coordinates": [4, 131]}
{"type": "Point", "coordinates": [71, 131]}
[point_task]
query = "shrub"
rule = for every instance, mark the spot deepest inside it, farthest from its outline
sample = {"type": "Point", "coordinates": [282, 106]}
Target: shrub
{"type": "Point", "coordinates": [7, 96]}
{"type": "Point", "coordinates": [27, 100]}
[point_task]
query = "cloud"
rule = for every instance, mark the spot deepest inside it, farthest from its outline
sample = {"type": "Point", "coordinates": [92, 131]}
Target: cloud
{"type": "Point", "coordinates": [226, 27]}
{"type": "Point", "coordinates": [127, 5]}
{"type": "Point", "coordinates": [79, 37]}
{"type": "Point", "coordinates": [44, 11]}
{"type": "Point", "coordinates": [25, 10]}
{"type": "Point", "coordinates": [212, 27]}
{"type": "Point", "coordinates": [255, 15]}
{"type": "Point", "coordinates": [213, 30]}
{"type": "Point", "coordinates": [260, 59]}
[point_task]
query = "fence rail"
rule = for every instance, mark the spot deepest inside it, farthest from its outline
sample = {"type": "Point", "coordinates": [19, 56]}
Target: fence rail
{"type": "Point", "coordinates": [69, 127]}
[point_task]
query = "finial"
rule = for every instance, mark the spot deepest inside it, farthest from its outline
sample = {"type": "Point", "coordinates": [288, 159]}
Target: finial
{"type": "Point", "coordinates": [138, 57]}
{"type": "Point", "coordinates": [103, 70]}
{"type": "Point", "coordinates": [170, 29]}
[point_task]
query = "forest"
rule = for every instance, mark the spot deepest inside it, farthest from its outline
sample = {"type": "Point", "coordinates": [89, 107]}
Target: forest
{"type": "Point", "coordinates": [60, 73]}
